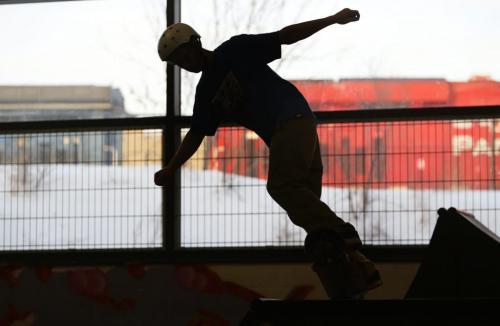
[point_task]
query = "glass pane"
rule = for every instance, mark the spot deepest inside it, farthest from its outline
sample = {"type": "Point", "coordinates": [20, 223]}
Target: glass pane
{"type": "Point", "coordinates": [387, 178]}
{"type": "Point", "coordinates": [81, 60]}
{"type": "Point", "coordinates": [399, 55]}
{"type": "Point", "coordinates": [224, 197]}
{"type": "Point", "coordinates": [80, 190]}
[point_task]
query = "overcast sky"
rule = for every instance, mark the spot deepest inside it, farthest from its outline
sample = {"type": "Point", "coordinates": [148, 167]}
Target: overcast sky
{"type": "Point", "coordinates": [113, 42]}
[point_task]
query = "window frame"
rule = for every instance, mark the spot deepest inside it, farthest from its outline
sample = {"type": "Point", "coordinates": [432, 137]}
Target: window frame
{"type": "Point", "coordinates": [172, 124]}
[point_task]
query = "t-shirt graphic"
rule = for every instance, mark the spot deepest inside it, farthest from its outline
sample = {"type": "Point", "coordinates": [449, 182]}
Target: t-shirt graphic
{"type": "Point", "coordinates": [229, 97]}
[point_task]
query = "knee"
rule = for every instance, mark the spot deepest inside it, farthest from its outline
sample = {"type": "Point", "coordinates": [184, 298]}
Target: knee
{"type": "Point", "coordinates": [271, 189]}
{"type": "Point", "coordinates": [276, 190]}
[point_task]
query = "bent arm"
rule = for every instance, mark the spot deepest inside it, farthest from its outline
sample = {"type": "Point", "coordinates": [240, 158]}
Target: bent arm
{"type": "Point", "coordinates": [188, 147]}
{"type": "Point", "coordinates": [297, 32]}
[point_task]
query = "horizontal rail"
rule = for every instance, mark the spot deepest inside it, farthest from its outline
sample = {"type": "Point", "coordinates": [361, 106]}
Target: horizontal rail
{"type": "Point", "coordinates": [82, 125]}
{"type": "Point", "coordinates": [413, 114]}
{"type": "Point", "coordinates": [238, 255]}
{"type": "Point", "coordinates": [373, 115]}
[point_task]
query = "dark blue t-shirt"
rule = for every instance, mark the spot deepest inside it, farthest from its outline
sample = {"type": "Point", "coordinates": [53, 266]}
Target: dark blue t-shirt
{"type": "Point", "coordinates": [239, 86]}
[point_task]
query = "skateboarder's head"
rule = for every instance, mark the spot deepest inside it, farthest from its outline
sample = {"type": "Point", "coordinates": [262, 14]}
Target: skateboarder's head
{"type": "Point", "coordinates": [180, 44]}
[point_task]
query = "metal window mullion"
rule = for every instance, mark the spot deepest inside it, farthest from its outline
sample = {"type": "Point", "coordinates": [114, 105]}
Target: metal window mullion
{"type": "Point", "coordinates": [171, 141]}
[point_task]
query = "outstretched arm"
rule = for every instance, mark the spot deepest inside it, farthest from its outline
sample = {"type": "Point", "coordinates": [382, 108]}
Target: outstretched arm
{"type": "Point", "coordinates": [300, 31]}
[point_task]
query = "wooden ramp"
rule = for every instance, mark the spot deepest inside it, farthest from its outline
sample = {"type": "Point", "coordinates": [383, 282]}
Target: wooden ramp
{"type": "Point", "coordinates": [461, 261]}
{"type": "Point", "coordinates": [458, 283]}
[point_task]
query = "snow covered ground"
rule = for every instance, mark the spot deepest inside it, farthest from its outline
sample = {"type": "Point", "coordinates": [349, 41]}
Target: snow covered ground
{"type": "Point", "coordinates": [92, 206]}
{"type": "Point", "coordinates": [79, 206]}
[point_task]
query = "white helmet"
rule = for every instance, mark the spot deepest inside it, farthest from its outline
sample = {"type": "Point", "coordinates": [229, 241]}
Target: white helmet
{"type": "Point", "coordinates": [174, 36]}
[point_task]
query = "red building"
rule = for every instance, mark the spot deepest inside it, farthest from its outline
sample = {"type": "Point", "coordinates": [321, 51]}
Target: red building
{"type": "Point", "coordinates": [427, 154]}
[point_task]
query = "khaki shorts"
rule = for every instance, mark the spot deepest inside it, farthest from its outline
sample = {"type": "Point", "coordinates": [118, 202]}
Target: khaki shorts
{"type": "Point", "coordinates": [295, 173]}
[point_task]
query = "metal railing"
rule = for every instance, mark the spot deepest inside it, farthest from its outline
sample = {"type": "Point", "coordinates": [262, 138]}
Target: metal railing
{"type": "Point", "coordinates": [108, 165]}
{"type": "Point", "coordinates": [388, 178]}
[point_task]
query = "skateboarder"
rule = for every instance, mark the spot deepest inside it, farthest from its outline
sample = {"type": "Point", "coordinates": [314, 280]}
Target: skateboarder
{"type": "Point", "coordinates": [237, 84]}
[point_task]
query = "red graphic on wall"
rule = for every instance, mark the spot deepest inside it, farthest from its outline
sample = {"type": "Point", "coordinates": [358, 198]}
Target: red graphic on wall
{"type": "Point", "coordinates": [202, 279]}
{"type": "Point", "coordinates": [10, 273]}
{"type": "Point", "coordinates": [137, 270]}
{"type": "Point", "coordinates": [43, 273]}
{"type": "Point", "coordinates": [92, 283]}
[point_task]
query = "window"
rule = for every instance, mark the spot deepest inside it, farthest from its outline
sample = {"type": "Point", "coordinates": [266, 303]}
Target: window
{"type": "Point", "coordinates": [388, 178]}
{"type": "Point", "coordinates": [70, 190]}
{"type": "Point", "coordinates": [91, 188]}
{"type": "Point", "coordinates": [81, 185]}
{"type": "Point", "coordinates": [81, 60]}
{"type": "Point", "coordinates": [390, 58]}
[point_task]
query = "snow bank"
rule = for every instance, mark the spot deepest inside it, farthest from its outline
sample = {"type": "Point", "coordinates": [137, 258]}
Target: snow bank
{"type": "Point", "coordinates": [92, 206]}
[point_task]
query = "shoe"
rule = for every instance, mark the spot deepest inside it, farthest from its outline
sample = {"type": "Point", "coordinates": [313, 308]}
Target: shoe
{"type": "Point", "coordinates": [322, 244]}
{"type": "Point", "coordinates": [344, 272]}
{"type": "Point", "coordinates": [349, 235]}
{"type": "Point", "coordinates": [348, 277]}
{"type": "Point", "coordinates": [364, 274]}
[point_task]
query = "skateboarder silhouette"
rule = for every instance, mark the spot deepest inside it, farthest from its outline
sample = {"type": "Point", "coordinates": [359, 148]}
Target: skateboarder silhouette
{"type": "Point", "coordinates": [237, 84]}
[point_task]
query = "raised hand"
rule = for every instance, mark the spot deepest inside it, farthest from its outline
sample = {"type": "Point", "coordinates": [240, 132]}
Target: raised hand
{"type": "Point", "coordinates": [346, 16]}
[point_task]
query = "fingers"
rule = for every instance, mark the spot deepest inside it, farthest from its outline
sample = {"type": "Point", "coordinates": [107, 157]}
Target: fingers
{"type": "Point", "coordinates": [353, 14]}
{"type": "Point", "coordinates": [356, 15]}
{"type": "Point", "coordinates": [347, 15]}
{"type": "Point", "coordinates": [159, 178]}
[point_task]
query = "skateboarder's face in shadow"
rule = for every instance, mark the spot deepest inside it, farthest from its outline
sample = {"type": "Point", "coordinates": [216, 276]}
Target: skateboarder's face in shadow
{"type": "Point", "coordinates": [189, 56]}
